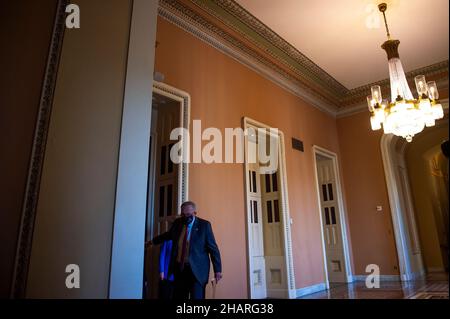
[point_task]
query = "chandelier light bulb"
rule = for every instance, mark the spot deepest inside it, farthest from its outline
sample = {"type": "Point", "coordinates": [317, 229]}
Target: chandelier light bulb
{"type": "Point", "coordinates": [433, 91]}
{"type": "Point", "coordinates": [404, 115]}
{"type": "Point", "coordinates": [376, 93]}
{"type": "Point", "coordinates": [421, 85]}
{"type": "Point", "coordinates": [370, 103]}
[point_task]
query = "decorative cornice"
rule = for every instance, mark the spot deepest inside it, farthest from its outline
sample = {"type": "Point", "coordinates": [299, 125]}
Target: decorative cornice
{"type": "Point", "coordinates": [292, 58]}
{"type": "Point", "coordinates": [23, 254]}
{"type": "Point", "coordinates": [191, 22]}
{"type": "Point", "coordinates": [276, 59]}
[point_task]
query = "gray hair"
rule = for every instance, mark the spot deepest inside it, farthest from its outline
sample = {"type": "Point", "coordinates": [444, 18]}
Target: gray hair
{"type": "Point", "coordinates": [189, 203]}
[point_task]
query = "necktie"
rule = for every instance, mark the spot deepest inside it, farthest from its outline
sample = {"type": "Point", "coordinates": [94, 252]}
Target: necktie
{"type": "Point", "coordinates": [183, 249]}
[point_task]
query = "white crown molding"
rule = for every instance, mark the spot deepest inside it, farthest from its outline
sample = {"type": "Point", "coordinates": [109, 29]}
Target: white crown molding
{"type": "Point", "coordinates": [188, 25]}
{"type": "Point", "coordinates": [192, 23]}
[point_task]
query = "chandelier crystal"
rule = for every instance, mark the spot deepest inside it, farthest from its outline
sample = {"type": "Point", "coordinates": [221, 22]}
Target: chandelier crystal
{"type": "Point", "coordinates": [403, 115]}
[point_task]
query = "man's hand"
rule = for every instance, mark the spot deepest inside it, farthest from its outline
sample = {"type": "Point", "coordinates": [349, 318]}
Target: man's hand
{"type": "Point", "coordinates": [218, 276]}
{"type": "Point", "coordinates": [161, 275]}
{"type": "Point", "coordinates": [148, 244]}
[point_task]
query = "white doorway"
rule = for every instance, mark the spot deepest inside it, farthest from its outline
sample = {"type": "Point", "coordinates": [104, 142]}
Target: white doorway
{"type": "Point", "coordinates": [402, 209]}
{"type": "Point", "coordinates": [270, 270]}
{"type": "Point", "coordinates": [167, 182]}
{"type": "Point", "coordinates": [337, 266]}
{"type": "Point", "coordinates": [406, 233]}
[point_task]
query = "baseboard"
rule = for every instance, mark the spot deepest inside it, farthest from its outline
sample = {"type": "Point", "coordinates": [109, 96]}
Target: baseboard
{"type": "Point", "coordinates": [278, 293]}
{"type": "Point", "coordinates": [435, 269]}
{"type": "Point", "coordinates": [311, 289]}
{"type": "Point", "coordinates": [417, 275]}
{"type": "Point", "coordinates": [382, 277]}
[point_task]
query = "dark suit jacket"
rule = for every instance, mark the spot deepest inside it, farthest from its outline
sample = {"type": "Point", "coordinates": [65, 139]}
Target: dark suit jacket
{"type": "Point", "coordinates": [202, 247]}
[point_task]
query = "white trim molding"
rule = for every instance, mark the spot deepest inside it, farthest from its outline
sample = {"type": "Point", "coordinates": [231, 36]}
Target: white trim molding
{"type": "Point", "coordinates": [382, 278]}
{"type": "Point", "coordinates": [127, 255]}
{"type": "Point", "coordinates": [289, 291]}
{"type": "Point", "coordinates": [404, 225]}
{"type": "Point", "coordinates": [317, 150]}
{"type": "Point", "coordinates": [308, 290]}
{"type": "Point", "coordinates": [302, 78]}
{"type": "Point", "coordinates": [185, 116]}
{"type": "Point", "coordinates": [398, 223]}
{"type": "Point", "coordinates": [184, 100]}
{"type": "Point", "coordinates": [187, 24]}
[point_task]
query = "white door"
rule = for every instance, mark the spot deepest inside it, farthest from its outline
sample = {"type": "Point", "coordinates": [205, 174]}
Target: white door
{"type": "Point", "coordinates": [163, 187]}
{"type": "Point", "coordinates": [268, 277]}
{"type": "Point", "coordinates": [166, 172]}
{"type": "Point", "coordinates": [256, 236]}
{"type": "Point", "coordinates": [331, 221]}
{"type": "Point", "coordinates": [273, 235]}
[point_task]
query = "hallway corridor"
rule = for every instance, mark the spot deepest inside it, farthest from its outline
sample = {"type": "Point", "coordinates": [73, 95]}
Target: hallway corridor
{"type": "Point", "coordinates": [434, 286]}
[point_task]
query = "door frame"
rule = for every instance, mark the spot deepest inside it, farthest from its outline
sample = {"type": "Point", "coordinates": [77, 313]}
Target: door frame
{"type": "Point", "coordinates": [183, 168]}
{"type": "Point", "coordinates": [183, 99]}
{"type": "Point", "coordinates": [286, 219]}
{"type": "Point", "coordinates": [402, 242]}
{"type": "Point", "coordinates": [317, 150]}
{"type": "Point", "coordinates": [391, 160]}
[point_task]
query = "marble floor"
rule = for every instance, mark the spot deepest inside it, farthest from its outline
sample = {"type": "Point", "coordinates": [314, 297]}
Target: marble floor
{"type": "Point", "coordinates": [433, 286]}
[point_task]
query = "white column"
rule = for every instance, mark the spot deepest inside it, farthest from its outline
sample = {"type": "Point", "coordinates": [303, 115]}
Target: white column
{"type": "Point", "coordinates": [127, 260]}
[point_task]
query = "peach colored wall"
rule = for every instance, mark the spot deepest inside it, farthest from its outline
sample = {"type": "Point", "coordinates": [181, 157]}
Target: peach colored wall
{"type": "Point", "coordinates": [373, 239]}
{"type": "Point", "coordinates": [223, 91]}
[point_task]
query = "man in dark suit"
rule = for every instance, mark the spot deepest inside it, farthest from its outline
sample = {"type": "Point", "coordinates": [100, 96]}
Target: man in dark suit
{"type": "Point", "coordinates": [193, 246]}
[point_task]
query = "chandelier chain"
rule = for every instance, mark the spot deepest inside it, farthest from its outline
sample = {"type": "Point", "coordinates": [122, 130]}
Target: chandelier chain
{"type": "Point", "coordinates": [404, 115]}
{"type": "Point", "coordinates": [386, 25]}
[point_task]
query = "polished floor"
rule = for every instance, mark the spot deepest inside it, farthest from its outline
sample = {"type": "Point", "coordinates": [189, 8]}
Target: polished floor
{"type": "Point", "coordinates": [433, 286]}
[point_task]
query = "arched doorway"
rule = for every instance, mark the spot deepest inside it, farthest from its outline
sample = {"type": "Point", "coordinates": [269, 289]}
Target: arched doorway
{"type": "Point", "coordinates": [401, 200]}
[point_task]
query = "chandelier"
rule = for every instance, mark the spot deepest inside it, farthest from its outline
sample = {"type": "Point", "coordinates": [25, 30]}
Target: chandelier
{"type": "Point", "coordinates": [403, 116]}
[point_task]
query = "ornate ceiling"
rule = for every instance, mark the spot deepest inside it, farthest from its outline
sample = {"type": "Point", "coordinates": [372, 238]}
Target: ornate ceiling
{"type": "Point", "coordinates": [233, 30]}
{"type": "Point", "coordinates": [353, 30]}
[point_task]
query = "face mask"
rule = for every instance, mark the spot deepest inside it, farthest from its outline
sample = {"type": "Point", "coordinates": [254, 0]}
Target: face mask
{"type": "Point", "coordinates": [187, 220]}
